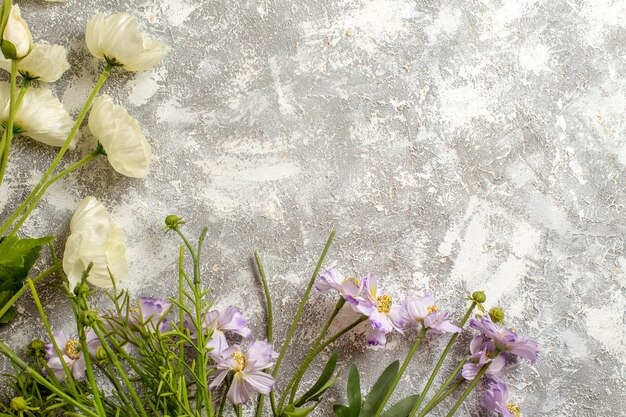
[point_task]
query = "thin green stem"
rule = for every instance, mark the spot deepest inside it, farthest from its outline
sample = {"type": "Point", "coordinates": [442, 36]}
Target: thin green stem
{"type": "Point", "coordinates": [305, 297]}
{"type": "Point", "coordinates": [405, 364]}
{"type": "Point", "coordinates": [224, 399]}
{"type": "Point", "coordinates": [433, 401]}
{"type": "Point", "coordinates": [44, 179]}
{"type": "Point", "coordinates": [294, 383]}
{"type": "Point", "coordinates": [44, 319]}
{"type": "Point", "coordinates": [91, 156]}
{"type": "Point", "coordinates": [181, 313]}
{"type": "Point", "coordinates": [441, 360]}
{"type": "Point", "coordinates": [471, 386]}
{"type": "Point", "coordinates": [90, 376]}
{"type": "Point", "coordinates": [270, 320]}
{"type": "Point", "coordinates": [238, 410]}
{"type": "Point", "coordinates": [25, 287]}
{"type": "Point", "coordinates": [339, 334]}
{"type": "Point", "coordinates": [6, 149]}
{"type": "Point", "coordinates": [6, 351]}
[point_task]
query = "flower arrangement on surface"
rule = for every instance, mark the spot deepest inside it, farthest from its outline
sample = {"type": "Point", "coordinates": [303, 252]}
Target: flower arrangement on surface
{"type": "Point", "coordinates": [184, 355]}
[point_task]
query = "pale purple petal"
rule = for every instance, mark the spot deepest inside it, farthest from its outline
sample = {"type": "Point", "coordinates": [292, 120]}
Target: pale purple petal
{"type": "Point", "coordinates": [260, 355]}
{"type": "Point", "coordinates": [217, 343]}
{"type": "Point", "coordinates": [238, 392]}
{"type": "Point", "coordinates": [376, 338]}
{"type": "Point", "coordinates": [231, 319]}
{"type": "Point", "coordinates": [218, 379]}
{"type": "Point", "coordinates": [78, 368]}
{"type": "Point", "coordinates": [259, 381]}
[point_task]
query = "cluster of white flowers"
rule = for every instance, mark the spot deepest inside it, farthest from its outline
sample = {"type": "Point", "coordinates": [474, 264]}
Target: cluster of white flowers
{"type": "Point", "coordinates": [95, 239]}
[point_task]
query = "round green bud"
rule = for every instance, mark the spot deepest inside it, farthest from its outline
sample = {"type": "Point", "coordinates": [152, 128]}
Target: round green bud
{"type": "Point", "coordinates": [19, 404]}
{"type": "Point", "coordinates": [497, 315]}
{"type": "Point", "coordinates": [88, 318]}
{"type": "Point", "coordinates": [479, 297]}
{"type": "Point", "coordinates": [172, 220]}
{"type": "Point", "coordinates": [101, 354]}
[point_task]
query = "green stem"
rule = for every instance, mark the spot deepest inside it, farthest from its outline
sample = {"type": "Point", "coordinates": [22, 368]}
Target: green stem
{"type": "Point", "coordinates": [270, 314]}
{"type": "Point", "coordinates": [46, 323]}
{"type": "Point", "coordinates": [305, 297]}
{"type": "Point", "coordinates": [6, 351]}
{"type": "Point", "coordinates": [339, 334]}
{"type": "Point", "coordinates": [440, 361]}
{"type": "Point", "coordinates": [294, 383]}
{"type": "Point", "coordinates": [91, 156]}
{"type": "Point", "coordinates": [181, 313]}
{"type": "Point", "coordinates": [25, 287]}
{"type": "Point", "coordinates": [90, 376]}
{"type": "Point", "coordinates": [223, 402]}
{"type": "Point", "coordinates": [433, 401]}
{"type": "Point", "coordinates": [471, 386]}
{"type": "Point", "coordinates": [238, 410]}
{"type": "Point", "coordinates": [44, 179]}
{"type": "Point", "coordinates": [405, 364]}
{"type": "Point", "coordinates": [6, 149]}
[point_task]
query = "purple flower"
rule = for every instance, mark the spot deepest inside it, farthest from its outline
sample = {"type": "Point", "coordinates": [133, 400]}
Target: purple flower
{"type": "Point", "coordinates": [384, 315]}
{"type": "Point", "coordinates": [496, 397]}
{"type": "Point", "coordinates": [333, 279]}
{"type": "Point", "coordinates": [150, 313]}
{"type": "Point", "coordinates": [481, 353]}
{"type": "Point", "coordinates": [506, 340]}
{"type": "Point", "coordinates": [425, 311]}
{"type": "Point", "coordinates": [71, 354]}
{"type": "Point", "coordinates": [248, 370]}
{"type": "Point", "coordinates": [219, 322]}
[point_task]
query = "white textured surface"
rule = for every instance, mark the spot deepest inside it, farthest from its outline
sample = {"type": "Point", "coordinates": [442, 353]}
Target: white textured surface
{"type": "Point", "coordinates": [455, 145]}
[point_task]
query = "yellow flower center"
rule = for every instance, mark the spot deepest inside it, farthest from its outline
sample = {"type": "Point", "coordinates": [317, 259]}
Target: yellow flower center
{"type": "Point", "coordinates": [384, 303]}
{"type": "Point", "coordinates": [240, 359]}
{"type": "Point", "coordinates": [72, 349]}
{"type": "Point", "coordinates": [134, 310]}
{"type": "Point", "coordinates": [513, 408]}
{"type": "Point", "coordinates": [432, 309]}
{"type": "Point", "coordinates": [489, 355]}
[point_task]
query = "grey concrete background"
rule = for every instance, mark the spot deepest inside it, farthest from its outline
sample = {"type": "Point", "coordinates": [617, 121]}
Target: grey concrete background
{"type": "Point", "coordinates": [455, 146]}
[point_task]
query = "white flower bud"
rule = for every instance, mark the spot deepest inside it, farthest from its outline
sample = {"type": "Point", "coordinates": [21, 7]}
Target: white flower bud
{"type": "Point", "coordinates": [16, 39]}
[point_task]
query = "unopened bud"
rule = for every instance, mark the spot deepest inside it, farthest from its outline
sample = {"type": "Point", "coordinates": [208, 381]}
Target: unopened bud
{"type": "Point", "coordinates": [88, 318]}
{"type": "Point", "coordinates": [17, 41]}
{"type": "Point", "coordinates": [101, 354]}
{"type": "Point", "coordinates": [36, 347]}
{"type": "Point", "coordinates": [19, 404]}
{"type": "Point", "coordinates": [479, 297]}
{"type": "Point", "coordinates": [497, 315]}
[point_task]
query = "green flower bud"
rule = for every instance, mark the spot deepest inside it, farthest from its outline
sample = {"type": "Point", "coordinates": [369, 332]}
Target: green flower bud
{"type": "Point", "coordinates": [101, 354]}
{"type": "Point", "coordinates": [19, 404]}
{"type": "Point", "coordinates": [172, 222]}
{"type": "Point", "coordinates": [36, 347]}
{"type": "Point", "coordinates": [497, 315]}
{"type": "Point", "coordinates": [479, 297]}
{"type": "Point", "coordinates": [81, 290]}
{"type": "Point", "coordinates": [88, 318]}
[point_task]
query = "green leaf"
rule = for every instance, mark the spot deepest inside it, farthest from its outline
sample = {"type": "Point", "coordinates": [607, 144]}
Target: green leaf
{"type": "Point", "coordinates": [341, 410]}
{"type": "Point", "coordinates": [402, 408]}
{"type": "Point", "coordinates": [354, 390]}
{"type": "Point", "coordinates": [379, 390]}
{"type": "Point", "coordinates": [17, 257]}
{"type": "Point", "coordinates": [10, 314]}
{"type": "Point", "coordinates": [293, 411]}
{"type": "Point", "coordinates": [323, 382]}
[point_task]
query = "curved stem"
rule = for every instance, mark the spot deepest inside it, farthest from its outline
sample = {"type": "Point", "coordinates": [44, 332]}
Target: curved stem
{"type": "Point", "coordinates": [405, 364]}
{"type": "Point", "coordinates": [305, 297]}
{"type": "Point", "coordinates": [270, 314]}
{"type": "Point", "coordinates": [440, 361]}
{"type": "Point", "coordinates": [25, 287]}
{"type": "Point", "coordinates": [44, 179]}
{"type": "Point", "coordinates": [93, 155]}
{"type": "Point", "coordinates": [433, 401]}
{"type": "Point", "coordinates": [471, 386]}
{"type": "Point", "coordinates": [294, 383]}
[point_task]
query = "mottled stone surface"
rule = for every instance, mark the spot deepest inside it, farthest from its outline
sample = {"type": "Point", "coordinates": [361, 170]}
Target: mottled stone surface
{"type": "Point", "coordinates": [455, 146]}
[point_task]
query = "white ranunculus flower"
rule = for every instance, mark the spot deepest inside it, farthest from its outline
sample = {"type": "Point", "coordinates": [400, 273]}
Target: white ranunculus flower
{"type": "Point", "coordinates": [94, 237]}
{"type": "Point", "coordinates": [127, 149]}
{"type": "Point", "coordinates": [117, 38]}
{"type": "Point", "coordinates": [41, 115]}
{"type": "Point", "coordinates": [45, 63]}
{"type": "Point", "coordinates": [17, 40]}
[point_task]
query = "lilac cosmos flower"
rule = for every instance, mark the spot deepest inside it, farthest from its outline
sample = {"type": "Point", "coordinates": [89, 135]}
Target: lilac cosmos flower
{"type": "Point", "coordinates": [481, 353]}
{"type": "Point", "coordinates": [150, 312]}
{"type": "Point", "coordinates": [423, 310]}
{"type": "Point", "coordinates": [384, 315]}
{"type": "Point", "coordinates": [248, 370]}
{"type": "Point", "coordinates": [333, 279]}
{"type": "Point", "coordinates": [496, 397]}
{"type": "Point", "coordinates": [219, 322]}
{"type": "Point", "coordinates": [71, 354]}
{"type": "Point", "coordinates": [506, 340]}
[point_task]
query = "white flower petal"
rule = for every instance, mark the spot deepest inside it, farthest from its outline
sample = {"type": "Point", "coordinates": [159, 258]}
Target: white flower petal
{"type": "Point", "coordinates": [96, 239]}
{"type": "Point", "coordinates": [41, 115]}
{"type": "Point", "coordinates": [17, 35]}
{"type": "Point", "coordinates": [117, 37]}
{"type": "Point", "coordinates": [126, 146]}
{"type": "Point", "coordinates": [45, 62]}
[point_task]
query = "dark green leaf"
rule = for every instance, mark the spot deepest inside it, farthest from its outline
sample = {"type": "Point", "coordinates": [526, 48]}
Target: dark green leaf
{"type": "Point", "coordinates": [293, 411]}
{"type": "Point", "coordinates": [354, 390]}
{"type": "Point", "coordinates": [341, 410]}
{"type": "Point", "coordinates": [17, 257]}
{"type": "Point", "coordinates": [402, 408]}
{"type": "Point", "coordinates": [323, 382]}
{"type": "Point", "coordinates": [379, 390]}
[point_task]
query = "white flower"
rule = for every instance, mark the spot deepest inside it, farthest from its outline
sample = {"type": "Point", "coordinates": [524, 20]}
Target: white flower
{"type": "Point", "coordinates": [41, 115]}
{"type": "Point", "coordinates": [127, 149]}
{"type": "Point", "coordinates": [94, 238]}
{"type": "Point", "coordinates": [117, 38]}
{"type": "Point", "coordinates": [16, 39]}
{"type": "Point", "coordinates": [45, 63]}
